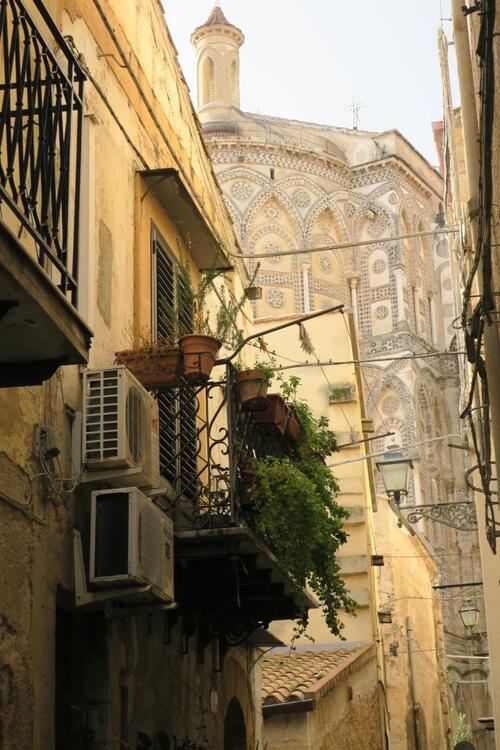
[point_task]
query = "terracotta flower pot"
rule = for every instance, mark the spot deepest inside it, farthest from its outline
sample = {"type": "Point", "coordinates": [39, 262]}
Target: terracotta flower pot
{"type": "Point", "coordinates": [199, 353]}
{"type": "Point", "coordinates": [293, 429]}
{"type": "Point", "coordinates": [155, 370]}
{"type": "Point", "coordinates": [252, 386]}
{"type": "Point", "coordinates": [272, 420]}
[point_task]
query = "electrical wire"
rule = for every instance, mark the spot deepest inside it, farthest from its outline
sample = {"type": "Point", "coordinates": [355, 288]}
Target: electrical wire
{"type": "Point", "coordinates": [348, 245]}
{"type": "Point", "coordinates": [373, 361]}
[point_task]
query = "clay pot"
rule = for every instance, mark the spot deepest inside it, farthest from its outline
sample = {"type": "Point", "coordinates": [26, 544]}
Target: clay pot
{"type": "Point", "coordinates": [199, 353]}
{"type": "Point", "coordinates": [293, 429]}
{"type": "Point", "coordinates": [155, 370]}
{"type": "Point", "coordinates": [252, 386]}
{"type": "Point", "coordinates": [272, 420]}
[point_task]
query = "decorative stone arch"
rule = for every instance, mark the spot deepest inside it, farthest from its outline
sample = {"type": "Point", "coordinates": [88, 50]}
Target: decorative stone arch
{"type": "Point", "coordinates": [387, 187]}
{"type": "Point", "coordinates": [270, 229]}
{"type": "Point", "coordinates": [301, 181]}
{"type": "Point", "coordinates": [269, 193]}
{"type": "Point", "coordinates": [328, 202]}
{"type": "Point", "coordinates": [387, 379]}
{"type": "Point", "coordinates": [375, 227]}
{"type": "Point", "coordinates": [235, 215]}
{"type": "Point", "coordinates": [243, 173]}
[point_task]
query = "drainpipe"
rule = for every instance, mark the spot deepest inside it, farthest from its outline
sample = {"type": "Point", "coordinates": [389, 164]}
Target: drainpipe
{"type": "Point", "coordinates": [413, 682]}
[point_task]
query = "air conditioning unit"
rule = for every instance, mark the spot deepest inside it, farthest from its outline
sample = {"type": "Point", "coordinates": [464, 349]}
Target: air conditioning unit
{"type": "Point", "coordinates": [131, 543]}
{"type": "Point", "coordinates": [120, 441]}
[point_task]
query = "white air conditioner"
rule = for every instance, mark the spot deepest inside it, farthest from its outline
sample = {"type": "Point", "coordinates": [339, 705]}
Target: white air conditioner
{"type": "Point", "coordinates": [131, 543]}
{"type": "Point", "coordinates": [120, 424]}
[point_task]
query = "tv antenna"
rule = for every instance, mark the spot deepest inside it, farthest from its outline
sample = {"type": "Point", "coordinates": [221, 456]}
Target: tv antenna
{"type": "Point", "coordinates": [355, 107]}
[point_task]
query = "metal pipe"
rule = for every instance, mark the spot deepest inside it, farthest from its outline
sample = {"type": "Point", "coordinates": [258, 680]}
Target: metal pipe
{"type": "Point", "coordinates": [347, 245]}
{"type": "Point", "coordinates": [457, 585]}
{"type": "Point", "coordinates": [294, 322]}
{"type": "Point", "coordinates": [381, 453]}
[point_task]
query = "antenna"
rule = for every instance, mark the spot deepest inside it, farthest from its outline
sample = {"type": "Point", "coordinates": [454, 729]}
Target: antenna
{"type": "Point", "coordinates": [355, 107]}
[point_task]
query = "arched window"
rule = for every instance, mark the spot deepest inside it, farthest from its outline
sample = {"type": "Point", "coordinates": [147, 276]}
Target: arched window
{"type": "Point", "coordinates": [208, 73]}
{"type": "Point", "coordinates": [235, 733]}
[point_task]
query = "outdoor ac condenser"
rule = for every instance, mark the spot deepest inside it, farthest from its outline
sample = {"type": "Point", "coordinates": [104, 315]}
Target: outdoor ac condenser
{"type": "Point", "coordinates": [120, 441]}
{"type": "Point", "coordinates": [131, 543]}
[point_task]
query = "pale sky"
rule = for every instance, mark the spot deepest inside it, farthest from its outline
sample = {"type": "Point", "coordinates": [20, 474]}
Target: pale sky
{"type": "Point", "coordinates": [306, 60]}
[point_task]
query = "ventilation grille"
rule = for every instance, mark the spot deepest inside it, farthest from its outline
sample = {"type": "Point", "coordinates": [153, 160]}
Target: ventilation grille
{"type": "Point", "coordinates": [101, 416]}
{"type": "Point", "coordinates": [134, 420]}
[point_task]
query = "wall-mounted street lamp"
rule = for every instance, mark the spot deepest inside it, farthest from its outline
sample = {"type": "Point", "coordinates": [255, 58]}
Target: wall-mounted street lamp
{"type": "Point", "coordinates": [469, 614]}
{"type": "Point", "coordinates": [395, 470]}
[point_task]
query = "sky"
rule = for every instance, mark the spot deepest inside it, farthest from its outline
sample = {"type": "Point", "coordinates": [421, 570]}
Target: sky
{"type": "Point", "coordinates": [308, 59]}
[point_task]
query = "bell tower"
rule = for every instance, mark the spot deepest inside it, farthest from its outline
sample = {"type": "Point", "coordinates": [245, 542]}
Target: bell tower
{"type": "Point", "coordinates": [217, 43]}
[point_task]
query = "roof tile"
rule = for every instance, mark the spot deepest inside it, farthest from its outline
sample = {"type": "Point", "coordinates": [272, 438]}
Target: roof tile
{"type": "Point", "coordinates": [216, 18]}
{"type": "Point", "coordinates": [289, 677]}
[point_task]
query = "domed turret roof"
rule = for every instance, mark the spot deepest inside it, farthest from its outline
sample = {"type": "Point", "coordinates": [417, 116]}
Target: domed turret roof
{"type": "Point", "coordinates": [216, 17]}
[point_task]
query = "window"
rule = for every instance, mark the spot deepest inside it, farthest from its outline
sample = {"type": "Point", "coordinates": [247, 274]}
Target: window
{"type": "Point", "coordinates": [177, 406]}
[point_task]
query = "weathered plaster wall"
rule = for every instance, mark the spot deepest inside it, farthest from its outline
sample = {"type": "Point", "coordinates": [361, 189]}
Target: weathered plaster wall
{"type": "Point", "coordinates": [405, 588]}
{"type": "Point", "coordinates": [329, 336]}
{"type": "Point", "coordinates": [38, 513]}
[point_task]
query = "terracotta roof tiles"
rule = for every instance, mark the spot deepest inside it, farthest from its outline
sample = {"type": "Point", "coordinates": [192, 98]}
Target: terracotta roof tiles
{"type": "Point", "coordinates": [216, 18]}
{"type": "Point", "coordinates": [291, 677]}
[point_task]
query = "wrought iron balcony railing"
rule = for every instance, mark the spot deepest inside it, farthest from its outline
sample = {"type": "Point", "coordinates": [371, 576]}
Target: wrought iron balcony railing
{"type": "Point", "coordinates": [206, 439]}
{"type": "Point", "coordinates": [41, 119]}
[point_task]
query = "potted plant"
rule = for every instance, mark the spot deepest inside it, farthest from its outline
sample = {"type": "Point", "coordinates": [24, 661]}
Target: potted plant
{"type": "Point", "coordinates": [200, 347]}
{"type": "Point", "coordinates": [293, 428]}
{"type": "Point", "coordinates": [341, 393]}
{"type": "Point", "coordinates": [156, 364]}
{"type": "Point", "coordinates": [252, 385]}
{"type": "Point", "coordinates": [313, 432]}
{"type": "Point", "coordinates": [296, 514]}
{"type": "Point", "coordinates": [273, 419]}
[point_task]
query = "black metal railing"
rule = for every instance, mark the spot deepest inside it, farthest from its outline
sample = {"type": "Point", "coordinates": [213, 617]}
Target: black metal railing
{"type": "Point", "coordinates": [206, 439]}
{"type": "Point", "coordinates": [41, 120]}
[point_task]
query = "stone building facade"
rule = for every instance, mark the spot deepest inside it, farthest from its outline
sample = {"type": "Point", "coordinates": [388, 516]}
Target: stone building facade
{"type": "Point", "coordinates": [299, 193]}
{"type": "Point", "coordinates": [108, 666]}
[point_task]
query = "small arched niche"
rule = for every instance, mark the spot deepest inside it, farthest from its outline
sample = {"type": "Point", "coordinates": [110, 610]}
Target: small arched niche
{"type": "Point", "coordinates": [208, 80]}
{"type": "Point", "coordinates": [234, 83]}
{"type": "Point", "coordinates": [235, 733]}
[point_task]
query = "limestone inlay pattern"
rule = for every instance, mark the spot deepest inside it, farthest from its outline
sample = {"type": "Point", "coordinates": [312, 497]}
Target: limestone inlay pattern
{"type": "Point", "coordinates": [275, 298]}
{"type": "Point", "coordinates": [379, 266]}
{"type": "Point", "coordinates": [271, 248]}
{"type": "Point", "coordinates": [381, 312]}
{"type": "Point", "coordinates": [241, 190]}
{"type": "Point", "coordinates": [301, 198]}
{"type": "Point", "coordinates": [390, 405]}
{"type": "Point", "coordinates": [325, 263]}
{"type": "Point", "coordinates": [272, 213]}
